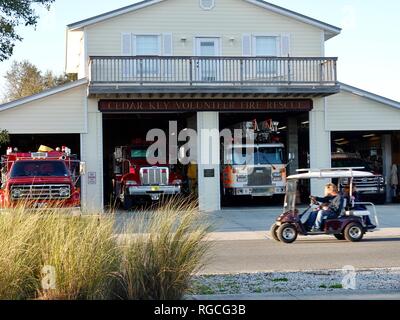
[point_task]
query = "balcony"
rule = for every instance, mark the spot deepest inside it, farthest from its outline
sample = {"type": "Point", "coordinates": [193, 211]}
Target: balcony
{"type": "Point", "coordinates": [267, 76]}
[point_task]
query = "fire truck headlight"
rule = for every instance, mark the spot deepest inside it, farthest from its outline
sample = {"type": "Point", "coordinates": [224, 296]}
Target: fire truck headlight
{"type": "Point", "coordinates": [242, 178]}
{"type": "Point", "coordinates": [16, 193]}
{"type": "Point", "coordinates": [277, 176]}
{"type": "Point", "coordinates": [64, 192]}
{"type": "Point", "coordinates": [177, 182]}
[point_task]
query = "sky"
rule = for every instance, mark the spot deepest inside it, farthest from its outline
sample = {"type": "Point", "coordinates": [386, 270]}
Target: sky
{"type": "Point", "coordinates": [368, 48]}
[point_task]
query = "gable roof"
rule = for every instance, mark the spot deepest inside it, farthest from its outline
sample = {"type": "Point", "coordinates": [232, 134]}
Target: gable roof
{"type": "Point", "coordinates": [369, 95]}
{"type": "Point", "coordinates": [43, 94]}
{"type": "Point", "coordinates": [330, 30]}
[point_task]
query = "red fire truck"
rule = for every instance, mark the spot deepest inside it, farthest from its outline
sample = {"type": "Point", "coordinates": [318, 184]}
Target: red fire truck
{"type": "Point", "coordinates": [40, 179]}
{"type": "Point", "coordinates": [134, 178]}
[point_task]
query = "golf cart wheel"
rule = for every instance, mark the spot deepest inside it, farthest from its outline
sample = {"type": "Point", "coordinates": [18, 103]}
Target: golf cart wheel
{"type": "Point", "coordinates": [354, 232]}
{"type": "Point", "coordinates": [274, 232]}
{"type": "Point", "coordinates": [287, 233]}
{"type": "Point", "coordinates": [340, 236]}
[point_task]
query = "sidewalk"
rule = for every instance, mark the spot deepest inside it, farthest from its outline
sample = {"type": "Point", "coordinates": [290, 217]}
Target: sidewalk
{"type": "Point", "coordinates": [348, 295]}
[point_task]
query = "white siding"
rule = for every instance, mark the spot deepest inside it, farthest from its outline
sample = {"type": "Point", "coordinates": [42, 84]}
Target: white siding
{"type": "Point", "coordinates": [350, 112]}
{"type": "Point", "coordinates": [63, 112]}
{"type": "Point", "coordinates": [92, 154]}
{"type": "Point", "coordinates": [185, 18]}
{"type": "Point", "coordinates": [75, 52]}
{"type": "Point", "coordinates": [320, 144]}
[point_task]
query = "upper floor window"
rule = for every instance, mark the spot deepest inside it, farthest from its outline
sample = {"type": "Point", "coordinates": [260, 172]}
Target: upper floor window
{"type": "Point", "coordinates": [266, 46]}
{"type": "Point", "coordinates": [148, 45]}
{"type": "Point", "coordinates": [207, 4]}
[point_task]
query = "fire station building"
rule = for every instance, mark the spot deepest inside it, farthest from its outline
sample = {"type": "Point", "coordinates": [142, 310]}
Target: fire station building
{"type": "Point", "coordinates": [206, 64]}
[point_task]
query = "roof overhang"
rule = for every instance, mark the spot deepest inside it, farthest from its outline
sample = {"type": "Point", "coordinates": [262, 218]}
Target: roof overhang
{"type": "Point", "coordinates": [369, 95]}
{"type": "Point", "coordinates": [330, 30]}
{"type": "Point", "coordinates": [43, 94]}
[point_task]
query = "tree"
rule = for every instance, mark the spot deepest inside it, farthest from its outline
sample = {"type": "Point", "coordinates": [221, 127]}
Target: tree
{"type": "Point", "coordinates": [13, 14]}
{"type": "Point", "coordinates": [4, 137]}
{"type": "Point", "coordinates": [25, 79]}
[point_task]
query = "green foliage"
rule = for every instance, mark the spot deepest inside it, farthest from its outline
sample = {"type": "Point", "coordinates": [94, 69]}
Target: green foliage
{"type": "Point", "coordinates": [25, 79]}
{"type": "Point", "coordinates": [4, 137]}
{"type": "Point", "coordinates": [13, 14]}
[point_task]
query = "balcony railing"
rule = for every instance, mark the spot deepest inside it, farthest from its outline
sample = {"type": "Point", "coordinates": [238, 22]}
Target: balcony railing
{"type": "Point", "coordinates": [242, 71]}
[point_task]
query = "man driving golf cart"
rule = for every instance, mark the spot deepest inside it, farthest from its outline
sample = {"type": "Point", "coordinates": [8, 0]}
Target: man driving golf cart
{"type": "Point", "coordinates": [331, 207]}
{"type": "Point", "coordinates": [345, 221]}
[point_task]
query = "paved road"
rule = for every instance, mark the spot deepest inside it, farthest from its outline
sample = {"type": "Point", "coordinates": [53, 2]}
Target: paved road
{"type": "Point", "coordinates": [241, 244]}
{"type": "Point", "coordinates": [237, 256]}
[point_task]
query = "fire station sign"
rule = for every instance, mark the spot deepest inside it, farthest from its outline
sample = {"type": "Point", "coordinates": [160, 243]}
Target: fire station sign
{"type": "Point", "coordinates": [110, 106]}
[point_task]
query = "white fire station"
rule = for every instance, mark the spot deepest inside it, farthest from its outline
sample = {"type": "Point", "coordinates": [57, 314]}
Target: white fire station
{"type": "Point", "coordinates": [205, 64]}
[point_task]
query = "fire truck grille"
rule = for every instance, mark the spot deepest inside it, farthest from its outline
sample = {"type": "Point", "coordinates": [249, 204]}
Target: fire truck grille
{"type": "Point", "coordinates": [154, 176]}
{"type": "Point", "coordinates": [260, 177]}
{"type": "Point", "coordinates": [40, 192]}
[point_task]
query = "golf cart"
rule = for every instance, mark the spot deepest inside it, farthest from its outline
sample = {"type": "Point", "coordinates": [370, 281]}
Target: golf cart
{"type": "Point", "coordinates": [351, 225]}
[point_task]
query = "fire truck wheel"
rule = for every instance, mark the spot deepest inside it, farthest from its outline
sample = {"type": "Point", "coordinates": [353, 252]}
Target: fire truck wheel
{"type": "Point", "coordinates": [128, 202]}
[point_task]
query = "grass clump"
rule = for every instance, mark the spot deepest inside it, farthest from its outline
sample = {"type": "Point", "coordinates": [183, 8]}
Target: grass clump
{"type": "Point", "coordinates": [19, 256]}
{"type": "Point", "coordinates": [158, 263]}
{"type": "Point", "coordinates": [155, 259]}
{"type": "Point", "coordinates": [84, 254]}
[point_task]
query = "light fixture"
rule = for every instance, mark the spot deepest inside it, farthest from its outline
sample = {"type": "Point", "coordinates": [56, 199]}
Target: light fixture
{"type": "Point", "coordinates": [368, 135]}
{"type": "Point", "coordinates": [339, 140]}
{"type": "Point", "coordinates": [343, 143]}
{"type": "Point", "coordinates": [183, 39]}
{"type": "Point", "coordinates": [282, 128]}
{"type": "Point", "coordinates": [305, 122]}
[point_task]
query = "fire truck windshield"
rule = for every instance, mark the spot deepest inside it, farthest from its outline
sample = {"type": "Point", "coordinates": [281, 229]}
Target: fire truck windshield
{"type": "Point", "coordinates": [258, 155]}
{"type": "Point", "coordinates": [22, 169]}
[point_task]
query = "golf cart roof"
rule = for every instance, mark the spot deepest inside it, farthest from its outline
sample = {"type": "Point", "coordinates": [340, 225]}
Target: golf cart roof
{"type": "Point", "coordinates": [330, 173]}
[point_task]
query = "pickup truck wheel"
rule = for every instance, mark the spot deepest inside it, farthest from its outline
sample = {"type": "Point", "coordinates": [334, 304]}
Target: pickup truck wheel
{"type": "Point", "coordinates": [354, 232]}
{"type": "Point", "coordinates": [128, 202]}
{"type": "Point", "coordinates": [287, 233]}
{"type": "Point", "coordinates": [274, 233]}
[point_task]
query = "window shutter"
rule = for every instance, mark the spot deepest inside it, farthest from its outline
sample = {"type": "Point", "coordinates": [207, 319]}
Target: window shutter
{"type": "Point", "coordinates": [167, 44]}
{"type": "Point", "coordinates": [126, 44]}
{"type": "Point", "coordinates": [246, 44]}
{"type": "Point", "coordinates": [285, 45]}
{"type": "Point", "coordinates": [126, 51]}
{"type": "Point", "coordinates": [167, 51]}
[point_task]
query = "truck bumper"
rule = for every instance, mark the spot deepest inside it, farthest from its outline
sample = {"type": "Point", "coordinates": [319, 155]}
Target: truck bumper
{"type": "Point", "coordinates": [262, 191]}
{"type": "Point", "coordinates": [153, 191]}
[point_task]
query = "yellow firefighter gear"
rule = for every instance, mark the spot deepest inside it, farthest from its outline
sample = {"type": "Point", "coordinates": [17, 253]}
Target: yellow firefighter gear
{"type": "Point", "coordinates": [192, 176]}
{"type": "Point", "coordinates": [45, 149]}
